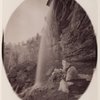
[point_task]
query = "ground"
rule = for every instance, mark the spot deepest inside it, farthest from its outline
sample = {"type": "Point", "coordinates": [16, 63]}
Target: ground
{"type": "Point", "coordinates": [53, 94]}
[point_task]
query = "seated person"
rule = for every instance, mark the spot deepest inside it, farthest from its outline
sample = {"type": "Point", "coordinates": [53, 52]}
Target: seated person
{"type": "Point", "coordinates": [69, 73]}
{"type": "Point", "coordinates": [56, 75]}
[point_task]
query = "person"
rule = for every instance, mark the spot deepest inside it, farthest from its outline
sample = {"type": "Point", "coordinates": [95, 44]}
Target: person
{"type": "Point", "coordinates": [56, 75]}
{"type": "Point", "coordinates": [69, 73]}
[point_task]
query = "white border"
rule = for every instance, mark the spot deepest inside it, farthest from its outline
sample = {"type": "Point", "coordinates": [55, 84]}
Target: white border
{"type": "Point", "coordinates": [9, 6]}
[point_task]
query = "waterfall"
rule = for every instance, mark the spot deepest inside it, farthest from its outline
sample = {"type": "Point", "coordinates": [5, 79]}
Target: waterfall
{"type": "Point", "coordinates": [45, 53]}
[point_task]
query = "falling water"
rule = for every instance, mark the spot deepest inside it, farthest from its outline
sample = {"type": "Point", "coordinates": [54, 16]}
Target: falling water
{"type": "Point", "coordinates": [45, 52]}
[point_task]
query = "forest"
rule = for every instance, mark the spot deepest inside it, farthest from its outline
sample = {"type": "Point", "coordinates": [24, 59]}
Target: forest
{"type": "Point", "coordinates": [20, 61]}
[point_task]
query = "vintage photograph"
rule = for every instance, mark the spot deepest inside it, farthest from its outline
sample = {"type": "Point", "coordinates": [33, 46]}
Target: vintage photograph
{"type": "Point", "coordinates": [49, 50]}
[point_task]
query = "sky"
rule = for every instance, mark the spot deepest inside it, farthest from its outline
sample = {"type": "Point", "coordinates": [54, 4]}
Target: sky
{"type": "Point", "coordinates": [26, 21]}
{"type": "Point", "coordinates": [28, 18]}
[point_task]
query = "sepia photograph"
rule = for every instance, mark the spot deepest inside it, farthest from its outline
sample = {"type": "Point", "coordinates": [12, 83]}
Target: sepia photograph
{"type": "Point", "coordinates": [49, 50]}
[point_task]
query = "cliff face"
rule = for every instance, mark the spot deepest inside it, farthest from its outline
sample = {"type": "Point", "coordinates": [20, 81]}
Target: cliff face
{"type": "Point", "coordinates": [71, 37]}
{"type": "Point", "coordinates": [75, 35]}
